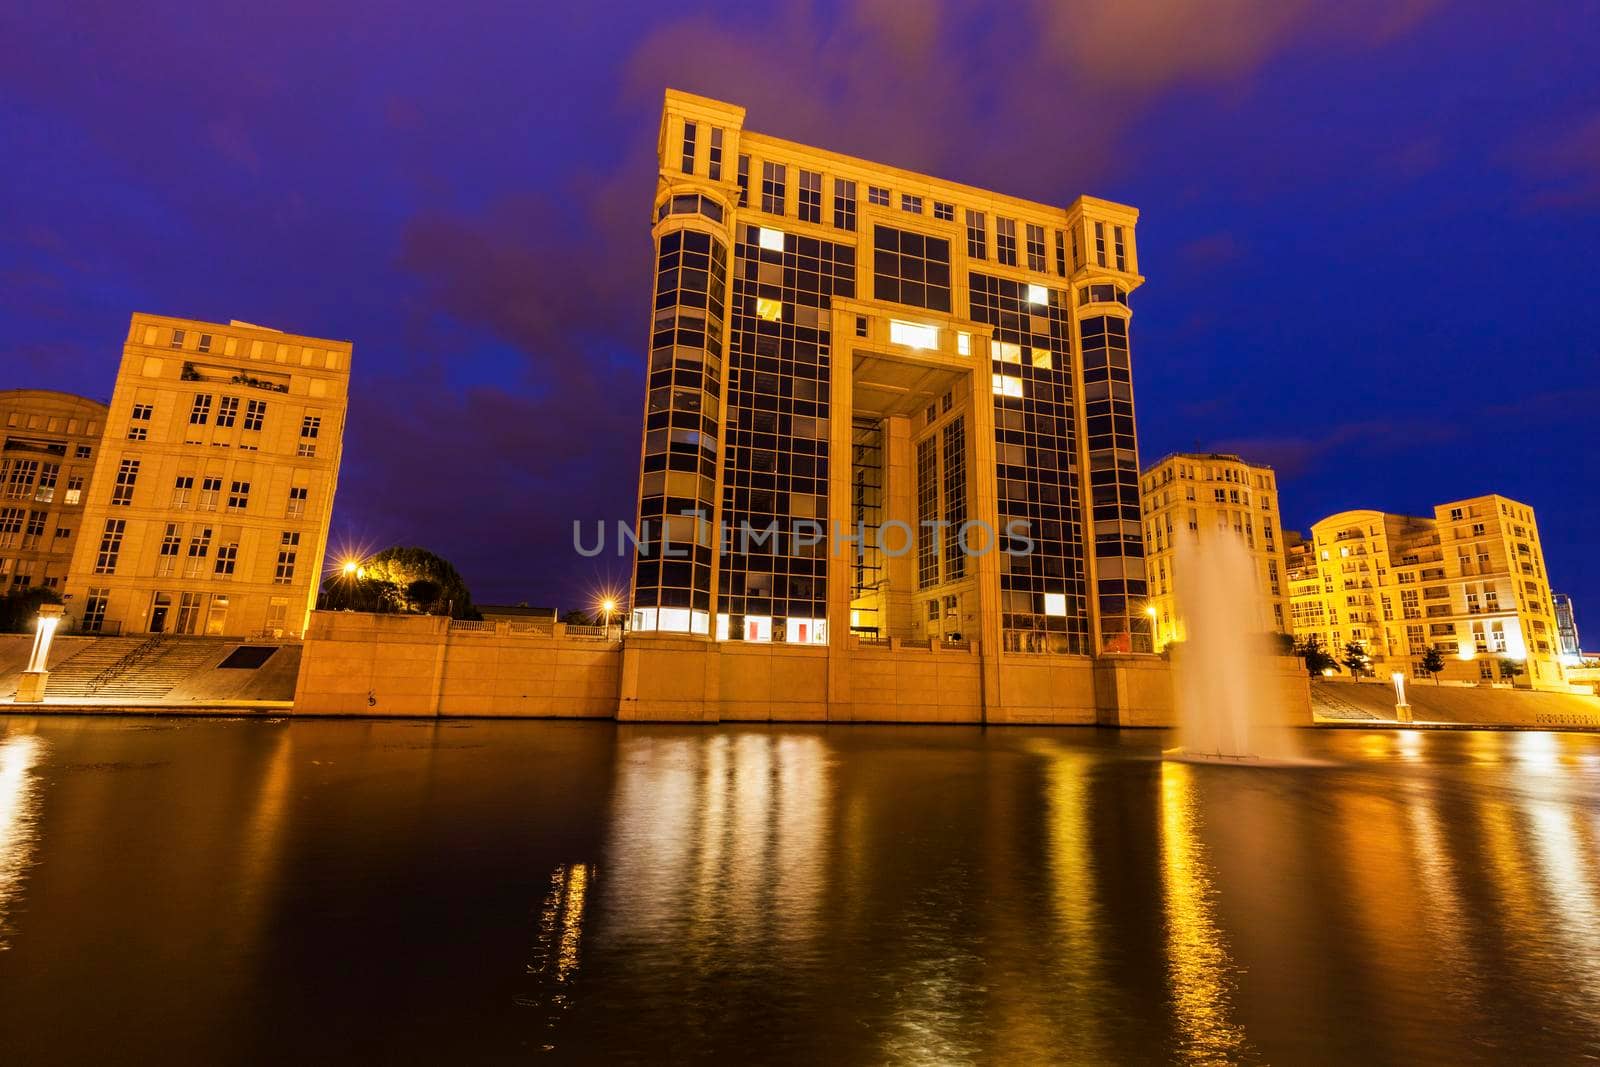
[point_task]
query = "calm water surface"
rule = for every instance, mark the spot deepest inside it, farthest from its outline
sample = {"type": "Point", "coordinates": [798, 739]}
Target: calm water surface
{"type": "Point", "coordinates": [210, 891]}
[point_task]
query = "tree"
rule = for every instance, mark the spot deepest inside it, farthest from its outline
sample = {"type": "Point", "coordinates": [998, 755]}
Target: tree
{"type": "Point", "coordinates": [1356, 660]}
{"type": "Point", "coordinates": [401, 579]}
{"type": "Point", "coordinates": [1510, 669]}
{"type": "Point", "coordinates": [19, 609]}
{"type": "Point", "coordinates": [423, 595]}
{"type": "Point", "coordinates": [1432, 661]}
{"type": "Point", "coordinates": [578, 618]}
{"type": "Point", "coordinates": [1316, 660]}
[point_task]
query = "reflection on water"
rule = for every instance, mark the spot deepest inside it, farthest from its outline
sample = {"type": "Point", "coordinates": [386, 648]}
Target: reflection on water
{"type": "Point", "coordinates": [19, 802]}
{"type": "Point", "coordinates": [385, 891]}
{"type": "Point", "coordinates": [553, 960]}
{"type": "Point", "coordinates": [1201, 973]}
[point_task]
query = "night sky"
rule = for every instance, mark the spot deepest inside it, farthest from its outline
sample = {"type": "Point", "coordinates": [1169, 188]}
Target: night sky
{"type": "Point", "coordinates": [1369, 228]}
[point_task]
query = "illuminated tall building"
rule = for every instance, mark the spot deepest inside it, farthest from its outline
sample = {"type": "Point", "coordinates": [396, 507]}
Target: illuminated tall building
{"type": "Point", "coordinates": [213, 487]}
{"type": "Point", "coordinates": [48, 442]}
{"type": "Point", "coordinates": [1470, 582]}
{"type": "Point", "coordinates": [900, 359]}
{"type": "Point", "coordinates": [1199, 492]}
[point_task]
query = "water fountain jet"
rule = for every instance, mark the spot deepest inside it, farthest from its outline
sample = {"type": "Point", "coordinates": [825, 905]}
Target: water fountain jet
{"type": "Point", "coordinates": [1225, 670]}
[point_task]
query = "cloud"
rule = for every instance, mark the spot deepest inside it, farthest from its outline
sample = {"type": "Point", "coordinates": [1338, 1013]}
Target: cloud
{"type": "Point", "coordinates": [1564, 163]}
{"type": "Point", "coordinates": [1212, 250]}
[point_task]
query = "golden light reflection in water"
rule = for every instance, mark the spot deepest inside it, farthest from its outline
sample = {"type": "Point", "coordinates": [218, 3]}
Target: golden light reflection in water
{"type": "Point", "coordinates": [720, 842]}
{"type": "Point", "coordinates": [1569, 882]}
{"type": "Point", "coordinates": [1439, 881]}
{"type": "Point", "coordinates": [1076, 901]}
{"type": "Point", "coordinates": [553, 961]}
{"type": "Point", "coordinates": [19, 813]}
{"type": "Point", "coordinates": [1200, 971]}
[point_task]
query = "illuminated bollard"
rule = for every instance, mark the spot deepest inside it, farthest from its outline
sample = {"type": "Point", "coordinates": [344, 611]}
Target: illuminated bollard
{"type": "Point", "coordinates": [1402, 710]}
{"type": "Point", "coordinates": [30, 689]}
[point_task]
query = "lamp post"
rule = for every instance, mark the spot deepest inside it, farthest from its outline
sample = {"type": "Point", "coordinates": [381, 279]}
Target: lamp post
{"type": "Point", "coordinates": [1402, 710]}
{"type": "Point", "coordinates": [608, 606]}
{"type": "Point", "coordinates": [30, 689]}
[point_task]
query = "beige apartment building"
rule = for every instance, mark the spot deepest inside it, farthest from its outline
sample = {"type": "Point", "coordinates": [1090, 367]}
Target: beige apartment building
{"type": "Point", "coordinates": [48, 446]}
{"type": "Point", "coordinates": [1198, 492]}
{"type": "Point", "coordinates": [1470, 581]}
{"type": "Point", "coordinates": [213, 488]}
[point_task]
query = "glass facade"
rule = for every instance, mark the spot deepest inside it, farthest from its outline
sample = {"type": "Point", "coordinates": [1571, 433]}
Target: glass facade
{"type": "Point", "coordinates": [1114, 483]}
{"type": "Point", "coordinates": [677, 484]}
{"type": "Point", "coordinates": [1036, 463]}
{"type": "Point", "coordinates": [775, 472]}
{"type": "Point", "coordinates": [931, 295]}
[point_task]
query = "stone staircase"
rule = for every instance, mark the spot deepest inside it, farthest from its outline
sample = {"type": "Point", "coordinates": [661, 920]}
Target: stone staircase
{"type": "Point", "coordinates": [134, 669]}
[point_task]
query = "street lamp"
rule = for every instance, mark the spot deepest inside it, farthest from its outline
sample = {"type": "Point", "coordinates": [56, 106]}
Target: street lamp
{"type": "Point", "coordinates": [1402, 710]}
{"type": "Point", "coordinates": [30, 688]}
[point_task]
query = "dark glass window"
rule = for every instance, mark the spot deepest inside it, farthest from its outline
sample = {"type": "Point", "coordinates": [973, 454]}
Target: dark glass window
{"type": "Point", "coordinates": [1005, 241]}
{"type": "Point", "coordinates": [810, 196]}
{"type": "Point", "coordinates": [911, 268]}
{"type": "Point", "coordinates": [943, 211]}
{"type": "Point", "coordinates": [715, 170]}
{"type": "Point", "coordinates": [774, 183]}
{"type": "Point", "coordinates": [955, 497]}
{"type": "Point", "coordinates": [1077, 251]}
{"type": "Point", "coordinates": [688, 147]}
{"type": "Point", "coordinates": [927, 511]}
{"type": "Point", "coordinates": [744, 181]}
{"type": "Point", "coordinates": [877, 195]}
{"type": "Point", "coordinates": [1061, 254]}
{"type": "Point", "coordinates": [1100, 243]}
{"type": "Point", "coordinates": [977, 236]}
{"type": "Point", "coordinates": [910, 203]}
{"type": "Point", "coordinates": [1122, 255]}
{"type": "Point", "coordinates": [844, 204]}
{"type": "Point", "coordinates": [1035, 247]}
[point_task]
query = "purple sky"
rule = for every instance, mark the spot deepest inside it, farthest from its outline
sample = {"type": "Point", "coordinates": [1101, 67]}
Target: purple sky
{"type": "Point", "coordinates": [1370, 229]}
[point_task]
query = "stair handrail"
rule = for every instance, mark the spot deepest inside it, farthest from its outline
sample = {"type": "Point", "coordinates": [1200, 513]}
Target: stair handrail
{"type": "Point", "coordinates": [127, 662]}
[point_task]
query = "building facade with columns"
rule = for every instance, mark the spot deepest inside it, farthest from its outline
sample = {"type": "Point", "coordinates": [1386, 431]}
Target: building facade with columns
{"type": "Point", "coordinates": [933, 377]}
{"type": "Point", "coordinates": [213, 485]}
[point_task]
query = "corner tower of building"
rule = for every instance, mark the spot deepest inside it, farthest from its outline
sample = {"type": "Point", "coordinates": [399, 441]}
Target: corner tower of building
{"type": "Point", "coordinates": [935, 376]}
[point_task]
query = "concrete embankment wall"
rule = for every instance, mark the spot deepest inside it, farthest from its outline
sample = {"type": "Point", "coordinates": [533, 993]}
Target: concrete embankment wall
{"type": "Point", "coordinates": [421, 666]}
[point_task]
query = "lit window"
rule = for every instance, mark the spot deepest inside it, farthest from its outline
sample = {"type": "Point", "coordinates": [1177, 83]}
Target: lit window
{"type": "Point", "coordinates": [1005, 351]}
{"type": "Point", "coordinates": [771, 310]}
{"type": "Point", "coordinates": [1038, 294]}
{"type": "Point", "coordinates": [913, 335]}
{"type": "Point", "coordinates": [699, 622]}
{"type": "Point", "coordinates": [674, 620]}
{"type": "Point", "coordinates": [805, 631]}
{"type": "Point", "coordinates": [964, 344]}
{"type": "Point", "coordinates": [771, 239]}
{"type": "Point", "coordinates": [1055, 604]}
{"type": "Point", "coordinates": [644, 619]}
{"type": "Point", "coordinates": [1004, 385]}
{"type": "Point", "coordinates": [722, 625]}
{"type": "Point", "coordinates": [758, 628]}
